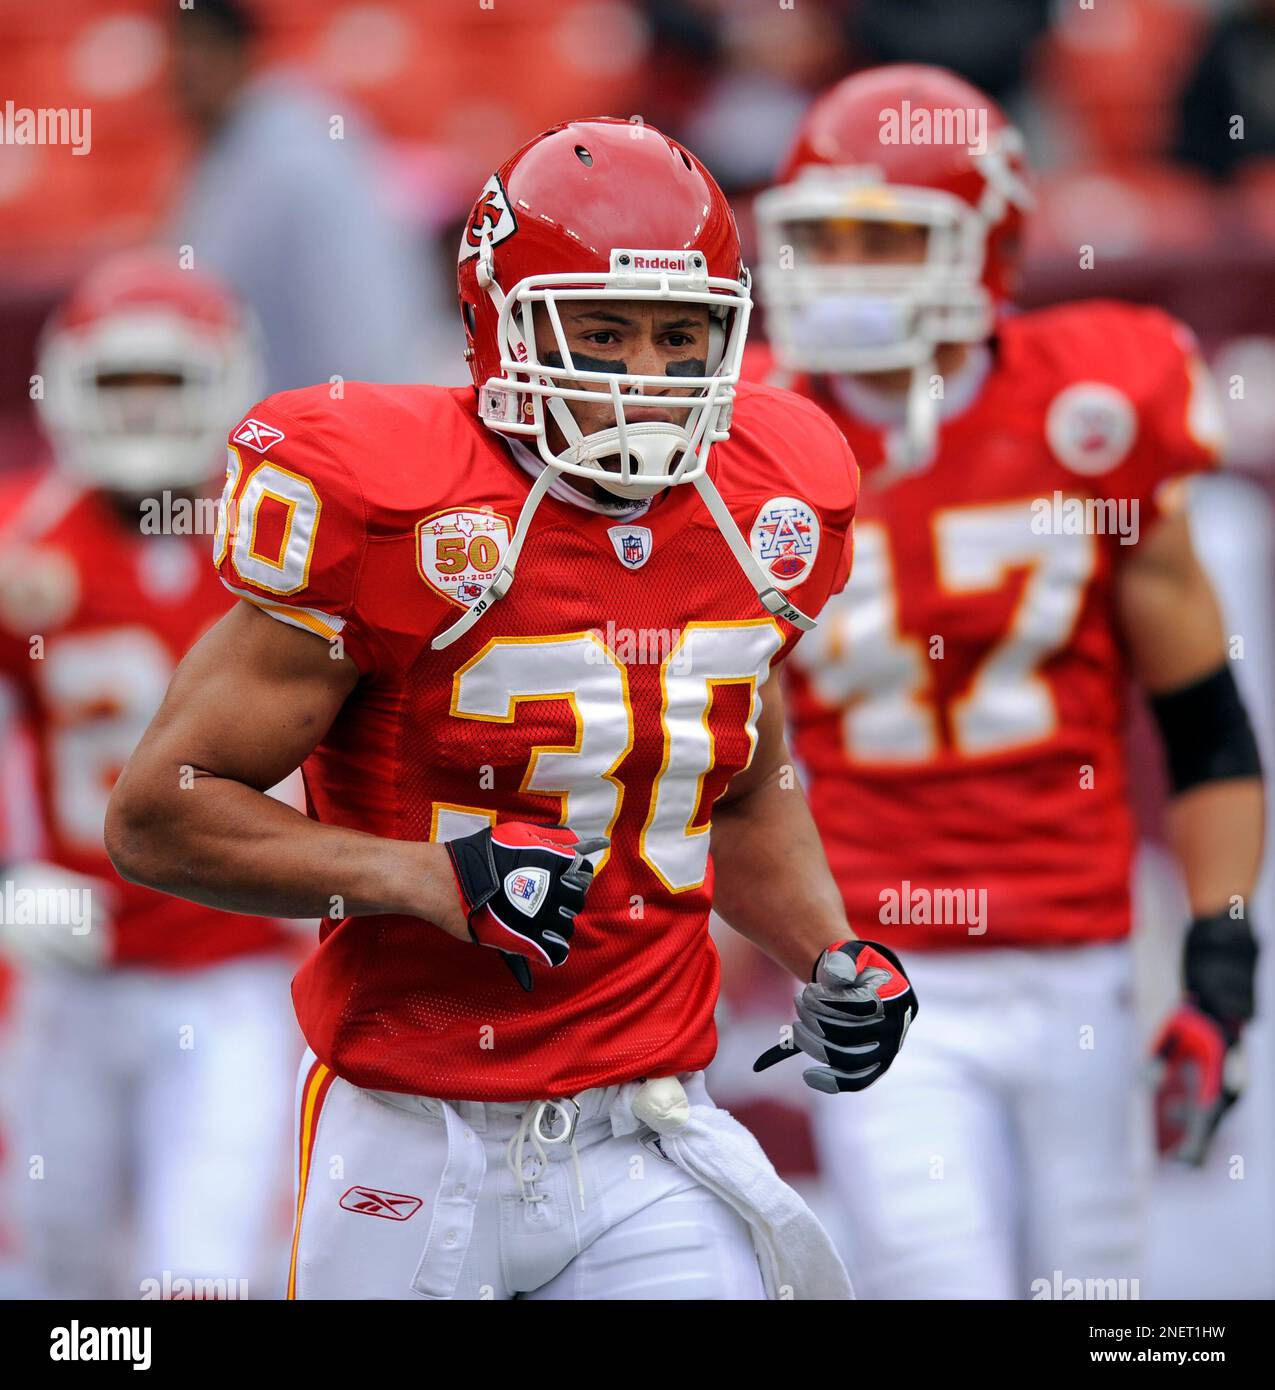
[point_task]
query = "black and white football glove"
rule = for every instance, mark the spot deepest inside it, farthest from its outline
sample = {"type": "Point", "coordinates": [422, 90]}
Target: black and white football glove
{"type": "Point", "coordinates": [521, 887]}
{"type": "Point", "coordinates": [852, 1018]}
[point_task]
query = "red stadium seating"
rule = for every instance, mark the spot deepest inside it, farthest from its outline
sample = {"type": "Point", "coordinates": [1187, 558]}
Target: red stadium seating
{"type": "Point", "coordinates": [1124, 212]}
{"type": "Point", "coordinates": [1113, 73]}
{"type": "Point", "coordinates": [398, 59]}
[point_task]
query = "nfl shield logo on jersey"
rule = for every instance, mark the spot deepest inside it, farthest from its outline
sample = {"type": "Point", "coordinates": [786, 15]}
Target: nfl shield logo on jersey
{"type": "Point", "coordinates": [526, 887]}
{"type": "Point", "coordinates": [632, 545]}
{"type": "Point", "coordinates": [458, 553]}
{"type": "Point", "coordinates": [785, 539]}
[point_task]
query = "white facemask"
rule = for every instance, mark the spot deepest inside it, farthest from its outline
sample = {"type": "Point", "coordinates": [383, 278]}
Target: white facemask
{"type": "Point", "coordinates": [846, 322]}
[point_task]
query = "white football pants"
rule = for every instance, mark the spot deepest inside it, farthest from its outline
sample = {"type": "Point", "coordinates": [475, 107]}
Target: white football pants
{"type": "Point", "coordinates": [402, 1197]}
{"type": "Point", "coordinates": [1004, 1143]}
{"type": "Point", "coordinates": [150, 1138]}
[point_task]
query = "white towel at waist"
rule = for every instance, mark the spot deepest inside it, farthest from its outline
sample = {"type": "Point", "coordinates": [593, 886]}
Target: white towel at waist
{"type": "Point", "coordinates": [798, 1260]}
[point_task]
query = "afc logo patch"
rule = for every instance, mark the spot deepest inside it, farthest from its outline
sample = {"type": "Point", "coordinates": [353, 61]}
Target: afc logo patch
{"type": "Point", "coordinates": [785, 540]}
{"type": "Point", "coordinates": [1091, 427]}
{"type": "Point", "coordinates": [459, 552]}
{"type": "Point", "coordinates": [632, 544]}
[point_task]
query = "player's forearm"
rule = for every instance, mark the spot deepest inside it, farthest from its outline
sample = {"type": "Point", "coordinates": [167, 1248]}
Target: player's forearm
{"type": "Point", "coordinates": [771, 878]}
{"type": "Point", "coordinates": [229, 846]}
{"type": "Point", "coordinates": [1216, 830]}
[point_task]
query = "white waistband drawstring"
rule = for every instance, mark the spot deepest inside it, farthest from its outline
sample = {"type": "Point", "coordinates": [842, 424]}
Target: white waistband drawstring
{"type": "Point", "coordinates": [531, 1128]}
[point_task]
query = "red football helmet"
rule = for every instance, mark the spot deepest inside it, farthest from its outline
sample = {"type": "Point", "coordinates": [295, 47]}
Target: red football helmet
{"type": "Point", "coordinates": [604, 209]}
{"type": "Point", "coordinates": [903, 144]}
{"type": "Point", "coordinates": [601, 209]}
{"type": "Point", "coordinates": [137, 316]}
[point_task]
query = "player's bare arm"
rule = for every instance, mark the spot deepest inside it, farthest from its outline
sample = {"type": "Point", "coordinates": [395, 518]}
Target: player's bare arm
{"type": "Point", "coordinates": [1174, 631]}
{"type": "Point", "coordinates": [772, 883]}
{"type": "Point", "coordinates": [1171, 622]}
{"type": "Point", "coordinates": [190, 814]}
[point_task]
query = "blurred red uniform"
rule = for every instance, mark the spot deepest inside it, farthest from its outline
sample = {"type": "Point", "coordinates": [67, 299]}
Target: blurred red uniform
{"type": "Point", "coordinates": [151, 1042]}
{"type": "Point", "coordinates": [370, 521]}
{"type": "Point", "coordinates": [94, 617]}
{"type": "Point", "coordinates": [961, 709]}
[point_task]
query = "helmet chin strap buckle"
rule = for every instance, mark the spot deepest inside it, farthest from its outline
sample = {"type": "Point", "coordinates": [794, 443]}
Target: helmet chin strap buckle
{"type": "Point", "coordinates": [769, 597]}
{"type": "Point", "coordinates": [774, 602]}
{"type": "Point", "coordinates": [497, 589]}
{"type": "Point", "coordinates": [502, 583]}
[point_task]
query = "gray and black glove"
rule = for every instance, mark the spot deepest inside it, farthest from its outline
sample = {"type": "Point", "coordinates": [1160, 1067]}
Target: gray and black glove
{"type": "Point", "coordinates": [852, 1018]}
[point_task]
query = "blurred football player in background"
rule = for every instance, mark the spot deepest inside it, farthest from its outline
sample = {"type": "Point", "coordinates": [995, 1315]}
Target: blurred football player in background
{"type": "Point", "coordinates": [152, 1038]}
{"type": "Point", "coordinates": [1022, 550]}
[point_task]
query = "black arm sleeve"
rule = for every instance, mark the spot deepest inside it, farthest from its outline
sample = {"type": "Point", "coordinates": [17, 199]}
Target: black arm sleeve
{"type": "Point", "coordinates": [1206, 732]}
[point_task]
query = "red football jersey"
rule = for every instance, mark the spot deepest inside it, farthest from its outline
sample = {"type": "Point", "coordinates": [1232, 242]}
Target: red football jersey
{"type": "Point", "coordinates": [960, 712]}
{"type": "Point", "coordinates": [613, 689]}
{"type": "Point", "coordinates": [94, 617]}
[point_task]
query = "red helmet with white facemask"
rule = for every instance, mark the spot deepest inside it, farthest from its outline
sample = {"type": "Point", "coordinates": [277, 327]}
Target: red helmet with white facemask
{"type": "Point", "coordinates": [602, 209]}
{"type": "Point", "coordinates": [144, 368]}
{"type": "Point", "coordinates": [605, 210]}
{"type": "Point", "coordinates": [907, 145]}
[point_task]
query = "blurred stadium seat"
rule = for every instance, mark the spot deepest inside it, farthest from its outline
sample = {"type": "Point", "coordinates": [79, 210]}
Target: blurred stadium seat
{"type": "Point", "coordinates": [1125, 212]}
{"type": "Point", "coordinates": [1255, 200]}
{"type": "Point", "coordinates": [399, 60]}
{"type": "Point", "coordinates": [1113, 72]}
{"type": "Point", "coordinates": [456, 85]}
{"type": "Point", "coordinates": [111, 59]}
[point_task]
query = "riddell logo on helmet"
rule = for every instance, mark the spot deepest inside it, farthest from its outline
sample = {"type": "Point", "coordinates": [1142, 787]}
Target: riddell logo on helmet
{"type": "Point", "coordinates": [676, 261]}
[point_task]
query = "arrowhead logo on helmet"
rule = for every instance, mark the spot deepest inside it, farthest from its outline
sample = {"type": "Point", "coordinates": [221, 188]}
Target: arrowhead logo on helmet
{"type": "Point", "coordinates": [492, 219]}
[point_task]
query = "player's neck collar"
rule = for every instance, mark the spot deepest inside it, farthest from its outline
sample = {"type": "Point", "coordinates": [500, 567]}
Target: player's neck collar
{"type": "Point", "coordinates": [857, 397]}
{"type": "Point", "coordinates": [561, 489]}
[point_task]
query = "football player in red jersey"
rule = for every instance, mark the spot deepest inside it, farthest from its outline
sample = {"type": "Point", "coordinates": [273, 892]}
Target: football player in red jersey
{"type": "Point", "coordinates": [481, 750]}
{"type": "Point", "coordinates": [149, 1033]}
{"type": "Point", "coordinates": [1021, 551]}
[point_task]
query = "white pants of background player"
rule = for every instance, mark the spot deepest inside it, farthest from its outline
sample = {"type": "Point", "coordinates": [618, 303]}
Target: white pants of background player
{"type": "Point", "coordinates": [384, 1176]}
{"type": "Point", "coordinates": [1004, 1144]}
{"type": "Point", "coordinates": [148, 1135]}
